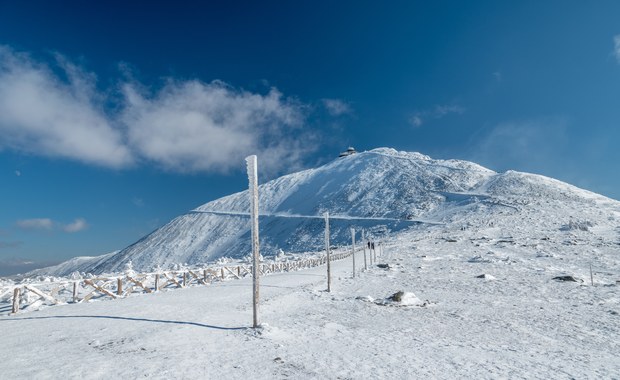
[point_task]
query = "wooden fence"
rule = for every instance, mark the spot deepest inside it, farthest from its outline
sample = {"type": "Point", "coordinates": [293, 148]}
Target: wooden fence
{"type": "Point", "coordinates": [31, 296]}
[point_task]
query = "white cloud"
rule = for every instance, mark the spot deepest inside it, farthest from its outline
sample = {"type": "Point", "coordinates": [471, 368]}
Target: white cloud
{"type": "Point", "coordinates": [43, 115]}
{"type": "Point", "coordinates": [35, 224]}
{"type": "Point", "coordinates": [617, 47]}
{"type": "Point", "coordinates": [48, 224]}
{"type": "Point", "coordinates": [18, 173]}
{"type": "Point", "coordinates": [78, 224]}
{"type": "Point", "coordinates": [443, 110]}
{"type": "Point", "coordinates": [438, 112]}
{"type": "Point", "coordinates": [186, 126]}
{"type": "Point", "coordinates": [336, 107]}
{"type": "Point", "coordinates": [416, 120]}
{"type": "Point", "coordinates": [194, 126]}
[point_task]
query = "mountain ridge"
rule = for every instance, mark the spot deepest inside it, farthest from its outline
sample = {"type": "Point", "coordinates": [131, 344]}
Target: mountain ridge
{"type": "Point", "coordinates": [366, 190]}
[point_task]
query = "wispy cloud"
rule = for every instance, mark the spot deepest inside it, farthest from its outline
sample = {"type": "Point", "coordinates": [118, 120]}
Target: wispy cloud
{"type": "Point", "coordinates": [416, 120]}
{"type": "Point", "coordinates": [439, 111]}
{"type": "Point", "coordinates": [530, 145]}
{"type": "Point", "coordinates": [35, 224]}
{"type": "Point", "coordinates": [47, 224]}
{"type": "Point", "coordinates": [617, 47]}
{"type": "Point", "coordinates": [337, 107]}
{"type": "Point", "coordinates": [77, 225]}
{"type": "Point", "coordinates": [185, 126]}
{"type": "Point", "coordinates": [10, 244]}
{"type": "Point", "coordinates": [138, 202]}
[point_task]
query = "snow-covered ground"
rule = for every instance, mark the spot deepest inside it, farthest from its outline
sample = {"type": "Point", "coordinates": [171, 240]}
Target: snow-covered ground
{"type": "Point", "coordinates": [517, 323]}
{"type": "Point", "coordinates": [480, 298]}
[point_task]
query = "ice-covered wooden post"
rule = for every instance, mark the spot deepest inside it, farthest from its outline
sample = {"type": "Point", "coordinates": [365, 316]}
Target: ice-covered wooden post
{"type": "Point", "coordinates": [353, 247]}
{"type": "Point", "coordinates": [15, 301]}
{"type": "Point", "coordinates": [374, 252]}
{"type": "Point", "coordinates": [364, 243]}
{"type": "Point", "coordinates": [329, 267]}
{"type": "Point", "coordinates": [253, 191]}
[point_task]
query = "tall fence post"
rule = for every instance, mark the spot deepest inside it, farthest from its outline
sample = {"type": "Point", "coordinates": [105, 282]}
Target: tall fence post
{"type": "Point", "coordinates": [15, 301]}
{"type": "Point", "coordinates": [251, 162]}
{"type": "Point", "coordinates": [329, 271]}
{"type": "Point", "coordinates": [75, 292]}
{"type": "Point", "coordinates": [374, 251]}
{"type": "Point", "coordinates": [353, 246]}
{"type": "Point", "coordinates": [365, 244]}
{"type": "Point", "coordinates": [119, 286]}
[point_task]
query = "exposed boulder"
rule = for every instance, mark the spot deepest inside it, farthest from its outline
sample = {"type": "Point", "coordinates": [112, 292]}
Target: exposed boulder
{"type": "Point", "coordinates": [567, 279]}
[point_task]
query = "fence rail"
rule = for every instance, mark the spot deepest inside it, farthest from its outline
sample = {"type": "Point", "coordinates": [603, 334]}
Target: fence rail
{"type": "Point", "coordinates": [31, 296]}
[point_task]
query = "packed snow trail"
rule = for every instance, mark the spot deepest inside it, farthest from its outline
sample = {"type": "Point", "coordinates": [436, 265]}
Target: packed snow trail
{"type": "Point", "coordinates": [320, 217]}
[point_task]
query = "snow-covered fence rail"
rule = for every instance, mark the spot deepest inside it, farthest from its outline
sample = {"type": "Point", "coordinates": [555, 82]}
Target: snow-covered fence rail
{"type": "Point", "coordinates": [29, 296]}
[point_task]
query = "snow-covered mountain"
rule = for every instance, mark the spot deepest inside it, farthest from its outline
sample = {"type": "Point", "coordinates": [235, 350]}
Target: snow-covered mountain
{"type": "Point", "coordinates": [518, 272]}
{"type": "Point", "coordinates": [383, 191]}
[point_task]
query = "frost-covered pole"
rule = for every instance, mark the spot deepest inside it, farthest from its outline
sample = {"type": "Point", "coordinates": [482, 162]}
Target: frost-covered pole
{"type": "Point", "coordinates": [329, 267]}
{"type": "Point", "coordinates": [353, 247]}
{"type": "Point", "coordinates": [374, 252]}
{"type": "Point", "coordinates": [15, 308]}
{"type": "Point", "coordinates": [253, 180]}
{"type": "Point", "coordinates": [364, 243]}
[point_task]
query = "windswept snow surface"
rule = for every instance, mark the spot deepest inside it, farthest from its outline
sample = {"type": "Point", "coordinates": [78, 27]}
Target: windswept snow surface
{"type": "Point", "coordinates": [521, 324]}
{"type": "Point", "coordinates": [383, 191]}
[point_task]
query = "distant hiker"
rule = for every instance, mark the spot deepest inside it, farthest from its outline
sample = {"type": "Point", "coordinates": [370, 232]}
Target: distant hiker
{"type": "Point", "coordinates": [368, 244]}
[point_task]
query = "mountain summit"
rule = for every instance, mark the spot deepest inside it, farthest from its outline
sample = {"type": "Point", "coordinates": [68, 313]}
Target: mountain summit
{"type": "Point", "coordinates": [382, 191]}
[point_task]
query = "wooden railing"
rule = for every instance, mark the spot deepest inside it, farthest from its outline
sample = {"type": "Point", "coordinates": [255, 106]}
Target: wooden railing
{"type": "Point", "coordinates": [31, 296]}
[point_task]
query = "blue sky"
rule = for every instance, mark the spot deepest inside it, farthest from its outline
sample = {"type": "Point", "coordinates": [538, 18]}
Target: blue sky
{"type": "Point", "coordinates": [116, 117]}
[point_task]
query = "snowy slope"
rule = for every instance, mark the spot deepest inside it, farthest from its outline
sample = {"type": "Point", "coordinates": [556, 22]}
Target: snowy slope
{"type": "Point", "coordinates": [382, 190]}
{"type": "Point", "coordinates": [516, 323]}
